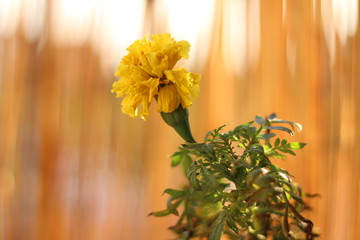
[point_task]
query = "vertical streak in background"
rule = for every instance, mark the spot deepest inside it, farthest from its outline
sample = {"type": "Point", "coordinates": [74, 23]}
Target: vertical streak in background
{"type": "Point", "coordinates": [12, 93]}
{"type": "Point", "coordinates": [33, 19]}
{"type": "Point", "coordinates": [9, 17]}
{"type": "Point", "coordinates": [116, 23]}
{"type": "Point", "coordinates": [340, 24]}
{"type": "Point", "coordinates": [86, 193]}
{"type": "Point", "coordinates": [241, 35]}
{"type": "Point", "coordinates": [193, 21]}
{"type": "Point", "coordinates": [234, 35]}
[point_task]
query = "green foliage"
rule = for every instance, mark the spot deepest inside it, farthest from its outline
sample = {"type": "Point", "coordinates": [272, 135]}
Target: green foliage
{"type": "Point", "coordinates": [234, 188]}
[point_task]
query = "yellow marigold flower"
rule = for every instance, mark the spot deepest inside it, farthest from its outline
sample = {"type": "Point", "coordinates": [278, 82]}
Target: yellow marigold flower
{"type": "Point", "coordinates": [147, 73]}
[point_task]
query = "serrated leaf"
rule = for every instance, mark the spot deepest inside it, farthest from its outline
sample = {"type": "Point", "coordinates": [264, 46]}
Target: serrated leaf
{"type": "Point", "coordinates": [275, 154]}
{"type": "Point", "coordinates": [238, 128]}
{"type": "Point", "coordinates": [175, 193]}
{"type": "Point", "coordinates": [196, 146]}
{"type": "Point", "coordinates": [281, 129]}
{"type": "Point", "coordinates": [208, 177]}
{"type": "Point", "coordinates": [286, 150]}
{"type": "Point", "coordinates": [260, 120]}
{"type": "Point", "coordinates": [232, 225]}
{"type": "Point", "coordinates": [191, 173]}
{"type": "Point", "coordinates": [217, 228]}
{"type": "Point", "coordinates": [223, 169]}
{"type": "Point", "coordinates": [267, 147]}
{"type": "Point", "coordinates": [266, 136]}
{"type": "Point", "coordinates": [296, 145]}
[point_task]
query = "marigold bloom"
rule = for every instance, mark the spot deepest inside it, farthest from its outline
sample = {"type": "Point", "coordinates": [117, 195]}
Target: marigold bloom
{"type": "Point", "coordinates": [147, 73]}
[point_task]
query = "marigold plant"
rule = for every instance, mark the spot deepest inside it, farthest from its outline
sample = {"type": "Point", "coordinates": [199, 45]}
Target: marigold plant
{"type": "Point", "coordinates": [233, 187]}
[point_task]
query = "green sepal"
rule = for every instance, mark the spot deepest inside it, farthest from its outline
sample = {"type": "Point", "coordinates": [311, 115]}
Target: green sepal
{"type": "Point", "coordinates": [179, 120]}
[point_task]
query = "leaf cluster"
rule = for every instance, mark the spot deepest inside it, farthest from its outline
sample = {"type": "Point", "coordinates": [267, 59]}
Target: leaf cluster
{"type": "Point", "coordinates": [234, 189]}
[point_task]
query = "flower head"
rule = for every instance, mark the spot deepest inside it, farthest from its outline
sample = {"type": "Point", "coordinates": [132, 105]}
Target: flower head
{"type": "Point", "coordinates": [148, 73]}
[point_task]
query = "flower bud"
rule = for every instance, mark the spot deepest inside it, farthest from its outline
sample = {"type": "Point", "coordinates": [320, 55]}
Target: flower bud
{"type": "Point", "coordinates": [179, 120]}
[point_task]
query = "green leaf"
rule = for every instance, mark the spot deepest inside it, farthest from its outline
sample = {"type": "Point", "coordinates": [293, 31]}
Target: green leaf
{"type": "Point", "coordinates": [208, 177]}
{"type": "Point", "coordinates": [296, 145]}
{"type": "Point", "coordinates": [309, 195]}
{"type": "Point", "coordinates": [241, 127]}
{"type": "Point", "coordinates": [160, 213]}
{"type": "Point", "coordinates": [176, 159]}
{"type": "Point", "coordinates": [260, 120]}
{"type": "Point", "coordinates": [288, 184]}
{"type": "Point", "coordinates": [253, 175]}
{"type": "Point", "coordinates": [266, 136]}
{"type": "Point", "coordinates": [272, 117]}
{"type": "Point", "coordinates": [277, 142]}
{"type": "Point", "coordinates": [286, 150]}
{"type": "Point", "coordinates": [265, 181]}
{"type": "Point", "coordinates": [259, 209]}
{"type": "Point", "coordinates": [172, 207]}
{"type": "Point", "coordinates": [196, 146]}
{"type": "Point", "coordinates": [275, 154]}
{"type": "Point", "coordinates": [232, 225]}
{"type": "Point", "coordinates": [217, 228]}
{"type": "Point", "coordinates": [294, 196]}
{"type": "Point", "coordinates": [285, 225]}
{"type": "Point", "coordinates": [242, 145]}
{"type": "Point", "coordinates": [175, 193]}
{"type": "Point", "coordinates": [256, 148]}
{"type": "Point", "coordinates": [223, 169]}
{"type": "Point", "coordinates": [194, 182]}
{"type": "Point", "coordinates": [281, 129]}
{"type": "Point", "coordinates": [292, 124]}
{"type": "Point", "coordinates": [186, 162]}
{"type": "Point", "coordinates": [267, 147]}
{"type": "Point", "coordinates": [262, 194]}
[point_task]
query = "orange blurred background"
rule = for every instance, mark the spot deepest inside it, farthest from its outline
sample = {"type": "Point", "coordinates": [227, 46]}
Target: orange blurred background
{"type": "Point", "coordinates": [73, 166]}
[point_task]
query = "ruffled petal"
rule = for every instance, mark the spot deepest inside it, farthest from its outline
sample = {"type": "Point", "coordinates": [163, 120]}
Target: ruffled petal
{"type": "Point", "coordinates": [186, 83]}
{"type": "Point", "coordinates": [168, 99]}
{"type": "Point", "coordinates": [147, 73]}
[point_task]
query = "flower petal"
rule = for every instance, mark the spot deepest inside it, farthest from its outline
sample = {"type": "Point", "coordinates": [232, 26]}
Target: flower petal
{"type": "Point", "coordinates": [168, 99]}
{"type": "Point", "coordinates": [186, 83]}
{"type": "Point", "coordinates": [147, 73]}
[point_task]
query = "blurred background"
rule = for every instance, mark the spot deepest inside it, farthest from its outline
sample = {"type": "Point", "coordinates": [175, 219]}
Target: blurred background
{"type": "Point", "coordinates": [72, 166]}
